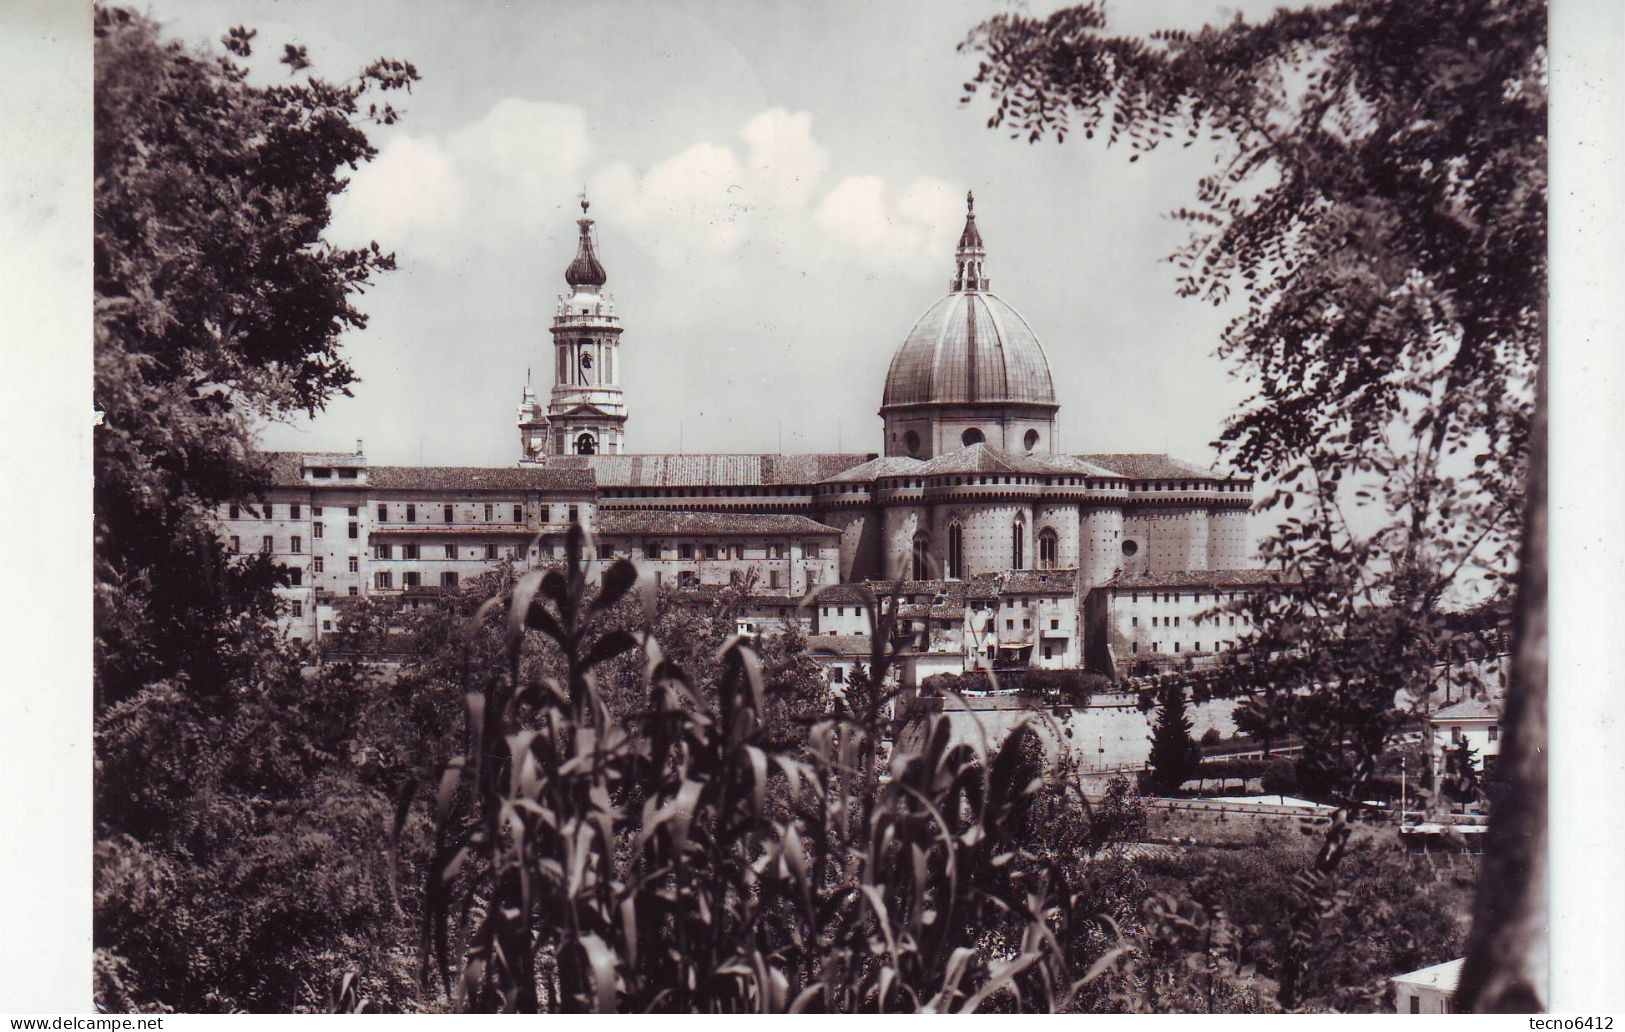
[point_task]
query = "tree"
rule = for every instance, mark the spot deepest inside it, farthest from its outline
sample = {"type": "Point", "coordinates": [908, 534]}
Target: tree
{"type": "Point", "coordinates": [1175, 757]}
{"type": "Point", "coordinates": [216, 303]}
{"type": "Point", "coordinates": [232, 868]}
{"type": "Point", "coordinates": [1377, 210]}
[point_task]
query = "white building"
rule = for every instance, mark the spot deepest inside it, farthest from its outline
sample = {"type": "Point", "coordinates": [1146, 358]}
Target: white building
{"type": "Point", "coordinates": [1428, 990]}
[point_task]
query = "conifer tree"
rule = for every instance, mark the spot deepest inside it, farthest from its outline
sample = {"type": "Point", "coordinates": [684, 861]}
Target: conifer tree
{"type": "Point", "coordinates": [1175, 757]}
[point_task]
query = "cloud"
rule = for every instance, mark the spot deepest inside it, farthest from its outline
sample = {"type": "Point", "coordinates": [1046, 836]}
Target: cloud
{"type": "Point", "coordinates": [498, 176]}
{"type": "Point", "coordinates": [760, 196]}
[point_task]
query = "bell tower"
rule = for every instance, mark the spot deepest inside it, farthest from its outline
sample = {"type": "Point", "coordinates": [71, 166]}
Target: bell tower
{"type": "Point", "coordinates": [586, 413]}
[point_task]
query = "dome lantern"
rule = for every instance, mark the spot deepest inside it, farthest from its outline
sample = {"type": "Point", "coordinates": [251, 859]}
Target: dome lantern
{"type": "Point", "coordinates": [586, 270]}
{"type": "Point", "coordinates": [969, 255]}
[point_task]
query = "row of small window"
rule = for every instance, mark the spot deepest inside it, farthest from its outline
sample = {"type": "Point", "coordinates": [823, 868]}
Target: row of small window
{"type": "Point", "coordinates": [685, 550]}
{"type": "Point", "coordinates": [448, 513]}
{"type": "Point", "coordinates": [1173, 621]}
{"type": "Point", "coordinates": [1156, 646]}
{"type": "Point", "coordinates": [385, 580]}
{"type": "Point", "coordinates": [1027, 625]}
{"type": "Point", "coordinates": [1176, 596]}
{"type": "Point", "coordinates": [413, 550]}
{"type": "Point", "coordinates": [1457, 735]}
{"type": "Point", "coordinates": [296, 543]}
{"type": "Point", "coordinates": [296, 511]}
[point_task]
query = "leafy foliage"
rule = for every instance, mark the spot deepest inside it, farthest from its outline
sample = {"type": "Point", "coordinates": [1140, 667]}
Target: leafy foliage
{"type": "Point", "coordinates": [1376, 213]}
{"type": "Point", "coordinates": [232, 860]}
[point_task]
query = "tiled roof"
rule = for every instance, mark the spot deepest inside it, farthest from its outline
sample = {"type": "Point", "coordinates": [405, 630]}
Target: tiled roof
{"type": "Point", "coordinates": [984, 458]}
{"type": "Point", "coordinates": [1197, 579]}
{"type": "Point", "coordinates": [1040, 582]}
{"type": "Point", "coordinates": [983, 585]}
{"type": "Point", "coordinates": [837, 594]}
{"type": "Point", "coordinates": [704, 524]}
{"type": "Point", "coordinates": [1147, 466]}
{"type": "Point", "coordinates": [1467, 709]}
{"type": "Point", "coordinates": [1442, 977]}
{"type": "Point", "coordinates": [710, 469]}
{"type": "Point", "coordinates": [286, 468]}
{"type": "Point", "coordinates": [884, 466]}
{"type": "Point", "coordinates": [478, 478]}
{"type": "Point", "coordinates": [840, 644]}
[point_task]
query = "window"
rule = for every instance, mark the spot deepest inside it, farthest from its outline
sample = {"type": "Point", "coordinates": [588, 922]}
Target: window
{"type": "Point", "coordinates": [1456, 736]}
{"type": "Point", "coordinates": [838, 674]}
{"type": "Point", "coordinates": [1009, 625]}
{"type": "Point", "coordinates": [956, 551]}
{"type": "Point", "coordinates": [382, 580]}
{"type": "Point", "coordinates": [545, 513]}
{"type": "Point", "coordinates": [296, 544]}
{"type": "Point", "coordinates": [773, 579]}
{"type": "Point", "coordinates": [971, 436]}
{"type": "Point", "coordinates": [1048, 545]}
{"type": "Point", "coordinates": [1031, 441]}
{"type": "Point", "coordinates": [490, 553]}
{"type": "Point", "coordinates": [1416, 1004]}
{"type": "Point", "coordinates": [1130, 547]}
{"type": "Point", "coordinates": [316, 530]}
{"type": "Point", "coordinates": [296, 578]}
{"type": "Point", "coordinates": [294, 510]}
{"type": "Point", "coordinates": [265, 543]}
{"type": "Point", "coordinates": [489, 512]}
{"type": "Point", "coordinates": [411, 514]}
{"type": "Point", "coordinates": [1176, 646]}
{"type": "Point", "coordinates": [236, 545]}
{"type": "Point", "coordinates": [1026, 623]}
{"type": "Point", "coordinates": [710, 551]}
{"type": "Point", "coordinates": [234, 512]}
{"type": "Point", "coordinates": [355, 529]}
{"type": "Point", "coordinates": [810, 549]}
{"type": "Point", "coordinates": [651, 549]}
{"type": "Point", "coordinates": [1055, 625]}
{"type": "Point", "coordinates": [448, 513]}
{"type": "Point", "coordinates": [380, 551]}
{"type": "Point", "coordinates": [383, 513]}
{"type": "Point", "coordinates": [451, 551]}
{"type": "Point", "coordinates": [448, 580]}
{"type": "Point", "coordinates": [688, 579]}
{"type": "Point", "coordinates": [355, 564]}
{"type": "Point", "coordinates": [513, 552]}
{"type": "Point", "coordinates": [354, 591]}
{"type": "Point", "coordinates": [355, 510]}
{"type": "Point", "coordinates": [775, 550]}
{"type": "Point", "coordinates": [1495, 732]}
{"type": "Point", "coordinates": [519, 514]}
{"type": "Point", "coordinates": [347, 472]}
{"type": "Point", "coordinates": [411, 579]}
{"type": "Point", "coordinates": [1017, 537]}
{"type": "Point", "coordinates": [606, 551]}
{"type": "Point", "coordinates": [911, 441]}
{"type": "Point", "coordinates": [315, 510]}
{"type": "Point", "coordinates": [685, 551]}
{"type": "Point", "coordinates": [317, 565]}
{"type": "Point", "coordinates": [922, 548]}
{"type": "Point", "coordinates": [574, 510]}
{"type": "Point", "coordinates": [1047, 653]}
{"type": "Point", "coordinates": [1134, 646]}
{"type": "Point", "coordinates": [298, 608]}
{"type": "Point", "coordinates": [1134, 621]}
{"type": "Point", "coordinates": [411, 550]}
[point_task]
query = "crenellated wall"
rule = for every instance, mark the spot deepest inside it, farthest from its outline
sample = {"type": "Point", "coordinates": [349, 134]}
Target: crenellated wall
{"type": "Point", "coordinates": [1230, 544]}
{"type": "Point", "coordinates": [1169, 539]}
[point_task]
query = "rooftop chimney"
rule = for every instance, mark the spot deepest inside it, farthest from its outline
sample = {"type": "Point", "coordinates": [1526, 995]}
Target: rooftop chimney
{"type": "Point", "coordinates": [358, 446]}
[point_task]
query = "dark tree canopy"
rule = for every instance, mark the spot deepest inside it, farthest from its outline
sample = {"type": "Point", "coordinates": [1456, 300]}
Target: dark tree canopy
{"type": "Point", "coordinates": [1376, 219]}
{"type": "Point", "coordinates": [217, 302]}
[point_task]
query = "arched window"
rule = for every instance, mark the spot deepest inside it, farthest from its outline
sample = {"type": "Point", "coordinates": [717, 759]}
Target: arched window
{"type": "Point", "coordinates": [585, 445]}
{"type": "Point", "coordinates": [1017, 559]}
{"type": "Point", "coordinates": [922, 549]}
{"type": "Point", "coordinates": [1046, 549]}
{"type": "Point", "coordinates": [956, 551]}
{"type": "Point", "coordinates": [971, 436]}
{"type": "Point", "coordinates": [1031, 439]}
{"type": "Point", "coordinates": [911, 441]}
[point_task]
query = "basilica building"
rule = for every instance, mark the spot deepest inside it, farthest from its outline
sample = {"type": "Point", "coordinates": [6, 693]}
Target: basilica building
{"type": "Point", "coordinates": [965, 508]}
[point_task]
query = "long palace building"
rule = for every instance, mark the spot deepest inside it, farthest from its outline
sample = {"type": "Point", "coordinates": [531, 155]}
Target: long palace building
{"type": "Point", "coordinates": [1001, 548]}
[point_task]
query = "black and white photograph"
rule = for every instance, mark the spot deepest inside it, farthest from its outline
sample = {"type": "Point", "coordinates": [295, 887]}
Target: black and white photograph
{"type": "Point", "coordinates": [596, 506]}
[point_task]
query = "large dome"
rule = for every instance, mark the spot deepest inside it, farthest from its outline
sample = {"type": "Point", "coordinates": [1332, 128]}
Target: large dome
{"type": "Point", "coordinates": [970, 348]}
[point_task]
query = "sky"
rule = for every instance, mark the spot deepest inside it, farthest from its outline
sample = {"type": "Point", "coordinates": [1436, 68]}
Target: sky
{"type": "Point", "coordinates": [778, 188]}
